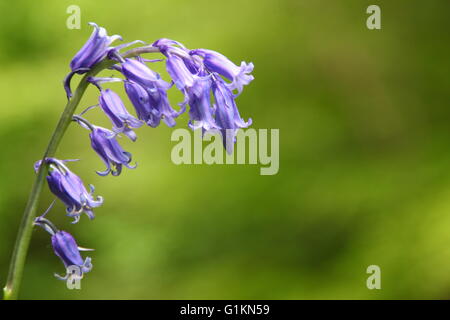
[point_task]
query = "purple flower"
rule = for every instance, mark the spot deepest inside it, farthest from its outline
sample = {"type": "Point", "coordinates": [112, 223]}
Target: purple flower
{"type": "Point", "coordinates": [189, 78]}
{"type": "Point", "coordinates": [156, 89]}
{"type": "Point", "coordinates": [114, 108]}
{"type": "Point", "coordinates": [93, 51]}
{"type": "Point", "coordinates": [172, 48]}
{"type": "Point", "coordinates": [160, 103]}
{"type": "Point", "coordinates": [141, 102]}
{"type": "Point", "coordinates": [104, 142]}
{"type": "Point", "coordinates": [201, 112]}
{"type": "Point", "coordinates": [69, 188]}
{"type": "Point", "coordinates": [67, 250]}
{"type": "Point", "coordinates": [138, 72]}
{"type": "Point", "coordinates": [227, 115]}
{"type": "Point", "coordinates": [179, 72]}
{"type": "Point", "coordinates": [216, 62]}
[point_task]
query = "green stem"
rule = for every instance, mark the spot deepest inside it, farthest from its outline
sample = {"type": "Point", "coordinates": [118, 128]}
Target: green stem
{"type": "Point", "coordinates": [11, 290]}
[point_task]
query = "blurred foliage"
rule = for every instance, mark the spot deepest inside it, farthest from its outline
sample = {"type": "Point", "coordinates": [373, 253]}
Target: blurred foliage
{"type": "Point", "coordinates": [364, 157]}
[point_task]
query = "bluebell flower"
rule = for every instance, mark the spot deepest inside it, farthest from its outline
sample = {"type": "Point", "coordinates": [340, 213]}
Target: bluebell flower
{"type": "Point", "coordinates": [216, 62]}
{"type": "Point", "coordinates": [66, 248]}
{"type": "Point", "coordinates": [179, 72]}
{"type": "Point", "coordinates": [172, 48]}
{"type": "Point", "coordinates": [201, 111]}
{"type": "Point", "coordinates": [156, 89]}
{"type": "Point", "coordinates": [93, 51]}
{"type": "Point", "coordinates": [141, 102]}
{"type": "Point", "coordinates": [69, 188]}
{"type": "Point", "coordinates": [190, 78]}
{"type": "Point", "coordinates": [121, 119]}
{"type": "Point", "coordinates": [104, 142]}
{"type": "Point", "coordinates": [138, 72]}
{"type": "Point", "coordinates": [227, 116]}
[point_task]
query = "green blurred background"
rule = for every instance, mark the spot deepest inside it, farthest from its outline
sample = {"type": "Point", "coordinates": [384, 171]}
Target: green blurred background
{"type": "Point", "coordinates": [364, 158]}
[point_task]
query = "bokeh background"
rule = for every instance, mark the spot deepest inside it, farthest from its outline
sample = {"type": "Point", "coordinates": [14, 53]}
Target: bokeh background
{"type": "Point", "coordinates": [364, 157]}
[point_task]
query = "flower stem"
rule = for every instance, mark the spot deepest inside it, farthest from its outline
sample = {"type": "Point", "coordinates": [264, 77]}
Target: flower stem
{"type": "Point", "coordinates": [11, 290]}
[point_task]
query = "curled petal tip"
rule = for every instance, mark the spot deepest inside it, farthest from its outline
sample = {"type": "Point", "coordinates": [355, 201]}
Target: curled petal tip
{"type": "Point", "coordinates": [104, 173]}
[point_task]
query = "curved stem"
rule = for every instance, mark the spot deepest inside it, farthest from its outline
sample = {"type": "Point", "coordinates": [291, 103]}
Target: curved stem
{"type": "Point", "coordinates": [11, 290]}
{"type": "Point", "coordinates": [83, 122]}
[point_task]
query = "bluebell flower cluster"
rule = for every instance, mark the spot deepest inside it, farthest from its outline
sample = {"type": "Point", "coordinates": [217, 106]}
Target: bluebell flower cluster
{"type": "Point", "coordinates": [208, 81]}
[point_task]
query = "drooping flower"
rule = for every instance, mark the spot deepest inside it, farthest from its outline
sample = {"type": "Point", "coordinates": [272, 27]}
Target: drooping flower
{"type": "Point", "coordinates": [121, 119]}
{"type": "Point", "coordinates": [227, 114]}
{"type": "Point", "coordinates": [179, 72]}
{"type": "Point", "coordinates": [66, 248]}
{"type": "Point", "coordinates": [177, 53]}
{"type": "Point", "coordinates": [197, 91]}
{"type": "Point", "coordinates": [104, 142]}
{"type": "Point", "coordinates": [201, 111]}
{"type": "Point", "coordinates": [192, 80]}
{"type": "Point", "coordinates": [92, 52]}
{"type": "Point", "coordinates": [156, 89]}
{"type": "Point", "coordinates": [138, 72]}
{"type": "Point", "coordinates": [141, 102]}
{"type": "Point", "coordinates": [160, 102]}
{"type": "Point", "coordinates": [69, 188]}
{"type": "Point", "coordinates": [217, 62]}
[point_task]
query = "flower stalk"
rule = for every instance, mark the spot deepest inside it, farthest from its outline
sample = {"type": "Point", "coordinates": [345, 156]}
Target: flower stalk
{"type": "Point", "coordinates": [199, 74]}
{"type": "Point", "coordinates": [11, 289]}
